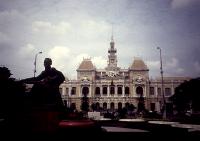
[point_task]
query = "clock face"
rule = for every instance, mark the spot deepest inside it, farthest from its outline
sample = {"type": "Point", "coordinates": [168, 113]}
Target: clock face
{"type": "Point", "coordinates": [139, 79]}
{"type": "Point", "coordinates": [85, 78]}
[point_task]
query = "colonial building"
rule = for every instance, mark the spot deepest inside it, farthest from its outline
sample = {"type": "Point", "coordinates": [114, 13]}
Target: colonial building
{"type": "Point", "coordinates": [113, 87]}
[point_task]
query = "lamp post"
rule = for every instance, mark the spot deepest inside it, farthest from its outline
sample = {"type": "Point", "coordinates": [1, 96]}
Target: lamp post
{"type": "Point", "coordinates": [36, 61]}
{"type": "Point", "coordinates": [161, 72]}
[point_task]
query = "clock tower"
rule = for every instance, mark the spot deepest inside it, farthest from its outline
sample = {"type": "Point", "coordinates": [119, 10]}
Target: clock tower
{"type": "Point", "coordinates": [112, 57]}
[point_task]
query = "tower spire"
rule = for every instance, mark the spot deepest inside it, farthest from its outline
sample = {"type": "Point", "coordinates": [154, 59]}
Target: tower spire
{"type": "Point", "coordinates": [112, 57]}
{"type": "Point", "coordinates": [112, 39]}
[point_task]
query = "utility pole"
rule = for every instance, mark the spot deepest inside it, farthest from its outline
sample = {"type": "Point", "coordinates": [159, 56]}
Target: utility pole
{"type": "Point", "coordinates": [162, 85]}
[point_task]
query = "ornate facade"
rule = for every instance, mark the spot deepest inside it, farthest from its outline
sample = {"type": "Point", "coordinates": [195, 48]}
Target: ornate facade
{"type": "Point", "coordinates": [113, 87]}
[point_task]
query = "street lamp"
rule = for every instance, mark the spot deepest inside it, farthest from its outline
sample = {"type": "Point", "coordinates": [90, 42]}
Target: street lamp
{"type": "Point", "coordinates": [161, 72]}
{"type": "Point", "coordinates": [35, 61]}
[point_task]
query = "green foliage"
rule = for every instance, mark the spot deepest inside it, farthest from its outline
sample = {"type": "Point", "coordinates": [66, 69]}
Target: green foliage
{"type": "Point", "coordinates": [187, 95]}
{"type": "Point", "coordinates": [85, 103]}
{"type": "Point", "coordinates": [93, 106]}
{"type": "Point", "coordinates": [141, 105]}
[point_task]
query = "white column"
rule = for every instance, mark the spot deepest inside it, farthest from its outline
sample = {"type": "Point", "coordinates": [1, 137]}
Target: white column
{"type": "Point", "coordinates": [63, 91]}
{"type": "Point", "coordinates": [133, 91]}
{"type": "Point", "coordinates": [156, 91]}
{"type": "Point", "coordinates": [90, 89]}
{"type": "Point", "coordinates": [108, 104]}
{"type": "Point", "coordinates": [116, 105]}
{"type": "Point", "coordinates": [115, 94]}
{"type": "Point", "coordinates": [145, 90]}
{"type": "Point", "coordinates": [101, 90]}
{"type": "Point", "coordinates": [123, 103]}
{"type": "Point", "coordinates": [123, 91]}
{"type": "Point", "coordinates": [80, 91]}
{"type": "Point", "coordinates": [69, 92]}
{"type": "Point", "coordinates": [108, 90]}
{"type": "Point", "coordinates": [172, 89]}
{"type": "Point", "coordinates": [158, 106]}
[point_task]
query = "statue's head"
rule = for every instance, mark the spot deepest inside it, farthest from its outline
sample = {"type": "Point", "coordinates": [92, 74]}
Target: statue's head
{"type": "Point", "coordinates": [47, 62]}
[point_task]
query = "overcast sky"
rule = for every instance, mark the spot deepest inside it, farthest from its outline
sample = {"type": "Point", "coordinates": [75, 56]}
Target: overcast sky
{"type": "Point", "coordinates": [69, 30]}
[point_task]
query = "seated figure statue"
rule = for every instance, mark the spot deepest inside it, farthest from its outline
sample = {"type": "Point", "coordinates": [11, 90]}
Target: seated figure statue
{"type": "Point", "coordinates": [45, 95]}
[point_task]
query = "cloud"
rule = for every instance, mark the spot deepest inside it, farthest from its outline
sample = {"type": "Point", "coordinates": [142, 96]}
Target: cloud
{"type": "Point", "coordinates": [67, 62]}
{"type": "Point", "coordinates": [153, 64]}
{"type": "Point", "coordinates": [86, 34]}
{"type": "Point", "coordinates": [86, 29]}
{"type": "Point", "coordinates": [173, 67]}
{"type": "Point", "coordinates": [3, 38]}
{"type": "Point", "coordinates": [197, 66]}
{"type": "Point", "coordinates": [74, 63]}
{"type": "Point", "coordinates": [170, 68]}
{"type": "Point", "coordinates": [82, 36]}
{"type": "Point", "coordinates": [92, 27]}
{"type": "Point", "coordinates": [79, 58]}
{"type": "Point", "coordinates": [172, 63]}
{"type": "Point", "coordinates": [63, 60]}
{"type": "Point", "coordinates": [9, 15]}
{"type": "Point", "coordinates": [49, 28]}
{"type": "Point", "coordinates": [180, 70]}
{"type": "Point", "coordinates": [60, 56]}
{"type": "Point", "coordinates": [11, 19]}
{"type": "Point", "coordinates": [26, 51]}
{"type": "Point", "coordinates": [69, 31]}
{"type": "Point", "coordinates": [182, 3]}
{"type": "Point", "coordinates": [99, 62]}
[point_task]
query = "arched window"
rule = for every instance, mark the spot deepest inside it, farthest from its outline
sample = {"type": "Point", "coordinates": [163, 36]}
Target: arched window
{"type": "Point", "coordinates": [67, 91]}
{"type": "Point", "coordinates": [73, 91]}
{"type": "Point", "coordinates": [139, 90]}
{"type": "Point", "coordinates": [127, 90]}
{"type": "Point", "coordinates": [112, 90]}
{"type": "Point", "coordinates": [85, 90]}
{"type": "Point", "coordinates": [159, 91]}
{"type": "Point", "coordinates": [112, 105]}
{"type": "Point", "coordinates": [119, 90]}
{"type": "Point", "coordinates": [105, 106]}
{"type": "Point", "coordinates": [119, 105]}
{"type": "Point", "coordinates": [97, 90]}
{"type": "Point", "coordinates": [104, 90]}
{"type": "Point", "coordinates": [151, 90]}
{"type": "Point", "coordinates": [168, 92]}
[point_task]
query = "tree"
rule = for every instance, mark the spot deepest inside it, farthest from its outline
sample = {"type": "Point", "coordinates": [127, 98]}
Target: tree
{"type": "Point", "coordinates": [131, 107]}
{"type": "Point", "coordinates": [85, 100]}
{"type": "Point", "coordinates": [141, 106]}
{"type": "Point", "coordinates": [14, 104]}
{"type": "Point", "coordinates": [187, 96]}
{"type": "Point", "coordinates": [93, 106]}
